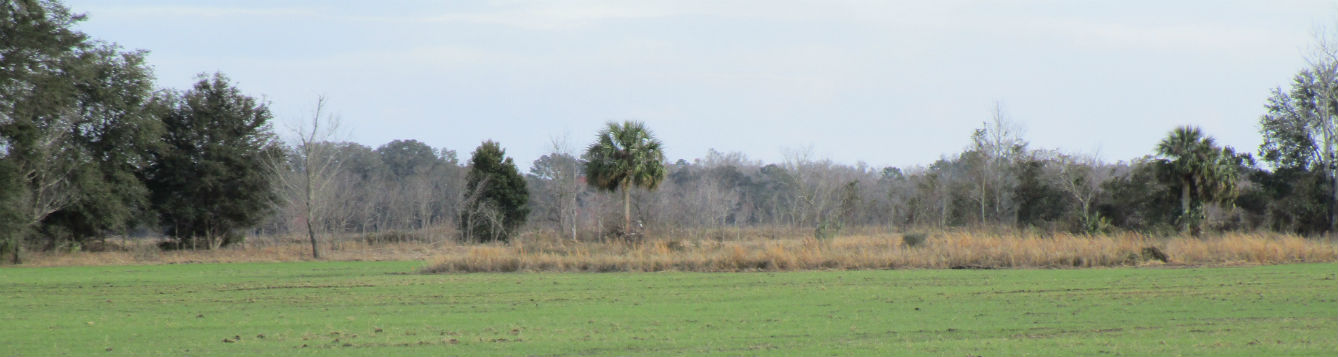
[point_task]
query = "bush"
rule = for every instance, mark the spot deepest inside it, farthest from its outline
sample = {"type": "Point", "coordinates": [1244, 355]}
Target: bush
{"type": "Point", "coordinates": [827, 229]}
{"type": "Point", "coordinates": [191, 242]}
{"type": "Point", "coordinates": [914, 239]}
{"type": "Point", "coordinates": [1096, 224]}
{"type": "Point", "coordinates": [393, 237]}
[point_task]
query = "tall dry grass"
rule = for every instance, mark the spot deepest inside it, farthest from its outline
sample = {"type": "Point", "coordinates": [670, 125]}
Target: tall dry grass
{"type": "Point", "coordinates": [885, 251]}
{"type": "Point", "coordinates": [767, 249]}
{"type": "Point", "coordinates": [256, 249]}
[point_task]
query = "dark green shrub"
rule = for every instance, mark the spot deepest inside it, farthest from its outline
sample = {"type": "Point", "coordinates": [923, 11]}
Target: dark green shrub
{"type": "Point", "coordinates": [496, 201]}
{"type": "Point", "coordinates": [914, 239]}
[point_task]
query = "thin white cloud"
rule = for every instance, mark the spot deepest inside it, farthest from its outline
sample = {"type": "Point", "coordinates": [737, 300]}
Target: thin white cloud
{"type": "Point", "coordinates": [1187, 36]}
{"type": "Point", "coordinates": [558, 16]}
{"type": "Point", "coordinates": [419, 60]}
{"type": "Point", "coordinates": [188, 11]}
{"type": "Point", "coordinates": [537, 16]}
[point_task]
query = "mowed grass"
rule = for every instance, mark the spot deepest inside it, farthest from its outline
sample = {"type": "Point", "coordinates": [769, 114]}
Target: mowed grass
{"type": "Point", "coordinates": [387, 308]}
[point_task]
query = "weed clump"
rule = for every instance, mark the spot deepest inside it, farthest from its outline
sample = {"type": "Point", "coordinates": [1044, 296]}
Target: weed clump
{"type": "Point", "coordinates": [1150, 253]}
{"type": "Point", "coordinates": [392, 237]}
{"type": "Point", "coordinates": [912, 240]}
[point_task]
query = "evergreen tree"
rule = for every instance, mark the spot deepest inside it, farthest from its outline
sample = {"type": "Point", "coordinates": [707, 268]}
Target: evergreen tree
{"type": "Point", "coordinates": [497, 200]}
{"type": "Point", "coordinates": [210, 177]}
{"type": "Point", "coordinates": [116, 130]}
{"type": "Point", "coordinates": [1037, 200]}
{"type": "Point", "coordinates": [36, 44]}
{"type": "Point", "coordinates": [11, 218]}
{"type": "Point", "coordinates": [74, 127]}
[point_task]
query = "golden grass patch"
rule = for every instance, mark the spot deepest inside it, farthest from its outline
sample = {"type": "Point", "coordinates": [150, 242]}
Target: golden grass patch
{"type": "Point", "coordinates": [940, 250]}
{"type": "Point", "coordinates": [769, 250]}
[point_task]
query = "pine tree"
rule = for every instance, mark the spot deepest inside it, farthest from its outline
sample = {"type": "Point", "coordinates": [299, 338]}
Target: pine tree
{"type": "Point", "coordinates": [496, 201]}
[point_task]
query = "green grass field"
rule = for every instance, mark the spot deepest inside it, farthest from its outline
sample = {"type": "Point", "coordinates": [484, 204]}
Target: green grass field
{"type": "Point", "coordinates": [379, 308]}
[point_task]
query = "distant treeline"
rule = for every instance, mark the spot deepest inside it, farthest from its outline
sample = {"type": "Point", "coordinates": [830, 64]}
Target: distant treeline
{"type": "Point", "coordinates": [91, 148]}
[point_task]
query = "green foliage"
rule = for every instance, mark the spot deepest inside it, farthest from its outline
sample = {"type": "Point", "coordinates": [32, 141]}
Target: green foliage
{"type": "Point", "coordinates": [210, 178]}
{"type": "Point", "coordinates": [117, 131]}
{"type": "Point", "coordinates": [1138, 200]}
{"type": "Point", "coordinates": [1288, 129]}
{"type": "Point", "coordinates": [36, 34]}
{"type": "Point", "coordinates": [1201, 172]}
{"type": "Point", "coordinates": [405, 158]}
{"type": "Point", "coordinates": [1037, 200]}
{"type": "Point", "coordinates": [1290, 200]}
{"type": "Point", "coordinates": [1094, 224]}
{"type": "Point", "coordinates": [12, 226]}
{"type": "Point", "coordinates": [74, 124]}
{"type": "Point", "coordinates": [1298, 195]}
{"type": "Point", "coordinates": [37, 46]}
{"type": "Point", "coordinates": [497, 201]}
{"type": "Point", "coordinates": [624, 156]}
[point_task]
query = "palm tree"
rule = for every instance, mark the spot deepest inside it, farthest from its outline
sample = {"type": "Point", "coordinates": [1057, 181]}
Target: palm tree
{"type": "Point", "coordinates": [624, 156]}
{"type": "Point", "coordinates": [1203, 172]}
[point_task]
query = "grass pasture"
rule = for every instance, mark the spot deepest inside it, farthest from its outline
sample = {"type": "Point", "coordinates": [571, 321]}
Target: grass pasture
{"type": "Point", "coordinates": [387, 308]}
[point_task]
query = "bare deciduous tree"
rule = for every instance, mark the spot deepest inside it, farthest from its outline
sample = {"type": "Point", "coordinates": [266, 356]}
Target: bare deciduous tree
{"type": "Point", "coordinates": [1081, 178]}
{"type": "Point", "coordinates": [559, 173]}
{"type": "Point", "coordinates": [1324, 65]}
{"type": "Point", "coordinates": [317, 167]}
{"type": "Point", "coordinates": [996, 144]}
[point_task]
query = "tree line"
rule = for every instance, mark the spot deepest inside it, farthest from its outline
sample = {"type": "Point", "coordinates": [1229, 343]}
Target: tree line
{"type": "Point", "coordinates": [90, 148]}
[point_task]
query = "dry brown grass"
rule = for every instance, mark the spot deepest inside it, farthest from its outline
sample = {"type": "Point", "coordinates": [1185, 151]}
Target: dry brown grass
{"type": "Point", "coordinates": [884, 251]}
{"type": "Point", "coordinates": [265, 249]}
{"type": "Point", "coordinates": [747, 250]}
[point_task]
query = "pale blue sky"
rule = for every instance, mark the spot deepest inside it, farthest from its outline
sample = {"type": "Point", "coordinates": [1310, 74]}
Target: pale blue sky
{"type": "Point", "coordinates": [885, 82]}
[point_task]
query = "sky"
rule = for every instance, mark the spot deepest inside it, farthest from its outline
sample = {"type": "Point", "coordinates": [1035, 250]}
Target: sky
{"type": "Point", "coordinates": [886, 83]}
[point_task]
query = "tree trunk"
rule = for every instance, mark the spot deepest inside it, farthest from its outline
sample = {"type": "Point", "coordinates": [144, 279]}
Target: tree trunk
{"type": "Point", "coordinates": [573, 216]}
{"type": "Point", "coordinates": [982, 201]}
{"type": "Point", "coordinates": [627, 209]}
{"type": "Point", "coordinates": [1086, 216]}
{"type": "Point", "coordinates": [18, 241]}
{"type": "Point", "coordinates": [1184, 205]}
{"type": "Point", "coordinates": [1333, 205]}
{"type": "Point", "coordinates": [311, 231]}
{"type": "Point", "coordinates": [311, 234]}
{"type": "Point", "coordinates": [1333, 177]}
